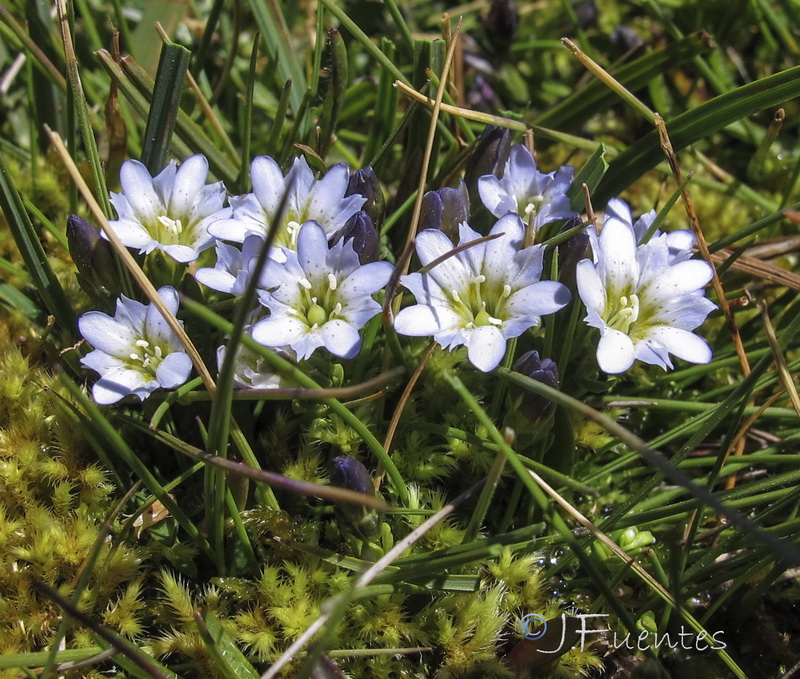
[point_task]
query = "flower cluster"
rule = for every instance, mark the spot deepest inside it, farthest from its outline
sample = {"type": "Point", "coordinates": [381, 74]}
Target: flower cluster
{"type": "Point", "coordinates": [317, 289]}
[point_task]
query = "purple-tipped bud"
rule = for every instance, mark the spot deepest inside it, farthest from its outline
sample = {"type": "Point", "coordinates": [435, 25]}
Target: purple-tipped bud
{"type": "Point", "coordinates": [93, 257]}
{"type": "Point", "coordinates": [627, 39]}
{"type": "Point", "coordinates": [351, 474]}
{"type": "Point", "coordinates": [501, 24]}
{"type": "Point", "coordinates": [445, 209]}
{"type": "Point", "coordinates": [365, 182]}
{"type": "Point", "coordinates": [489, 157]}
{"type": "Point", "coordinates": [533, 407]}
{"type": "Point", "coordinates": [360, 230]}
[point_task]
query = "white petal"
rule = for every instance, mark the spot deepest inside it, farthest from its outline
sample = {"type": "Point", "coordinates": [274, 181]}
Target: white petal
{"type": "Point", "coordinates": [312, 249]}
{"type": "Point", "coordinates": [590, 288]}
{"type": "Point", "coordinates": [539, 299]}
{"type": "Point", "coordinates": [174, 370]}
{"type": "Point", "coordinates": [190, 180]}
{"type": "Point", "coordinates": [617, 259]}
{"type": "Point", "coordinates": [341, 338]}
{"type": "Point", "coordinates": [325, 196]}
{"type": "Point", "coordinates": [682, 343]}
{"type": "Point", "coordinates": [216, 279]}
{"type": "Point", "coordinates": [486, 347]}
{"type": "Point", "coordinates": [267, 180]}
{"type": "Point", "coordinates": [279, 330]}
{"type": "Point", "coordinates": [366, 280]}
{"type": "Point", "coordinates": [112, 386]}
{"type": "Point", "coordinates": [132, 234]}
{"type": "Point", "coordinates": [106, 334]}
{"type": "Point", "coordinates": [158, 330]}
{"type": "Point", "coordinates": [494, 197]}
{"type": "Point", "coordinates": [137, 186]}
{"type": "Point", "coordinates": [615, 352]}
{"type": "Point", "coordinates": [417, 321]}
{"type": "Point", "coordinates": [681, 279]}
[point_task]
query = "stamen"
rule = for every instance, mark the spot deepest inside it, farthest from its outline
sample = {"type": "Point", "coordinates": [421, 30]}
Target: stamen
{"type": "Point", "coordinates": [456, 297]}
{"type": "Point", "coordinates": [332, 281]}
{"type": "Point", "coordinates": [142, 343]}
{"type": "Point", "coordinates": [506, 291]}
{"type": "Point", "coordinates": [305, 283]}
{"type": "Point", "coordinates": [173, 225]}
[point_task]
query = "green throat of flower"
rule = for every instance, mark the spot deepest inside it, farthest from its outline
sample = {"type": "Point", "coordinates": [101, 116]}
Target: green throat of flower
{"type": "Point", "coordinates": [625, 314]}
{"type": "Point", "coordinates": [478, 305]}
{"type": "Point", "coordinates": [169, 230]}
{"type": "Point", "coordinates": [146, 357]}
{"type": "Point", "coordinates": [319, 308]}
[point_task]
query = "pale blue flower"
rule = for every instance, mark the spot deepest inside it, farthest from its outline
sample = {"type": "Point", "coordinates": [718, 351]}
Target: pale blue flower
{"type": "Point", "coordinates": [537, 197]}
{"type": "Point", "coordinates": [645, 299]}
{"type": "Point", "coordinates": [171, 211]}
{"type": "Point", "coordinates": [319, 296]}
{"type": "Point", "coordinates": [136, 351]}
{"type": "Point", "coordinates": [481, 297]}
{"type": "Point", "coordinates": [322, 200]}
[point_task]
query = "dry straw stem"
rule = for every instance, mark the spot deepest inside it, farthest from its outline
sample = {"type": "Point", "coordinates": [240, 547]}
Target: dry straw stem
{"type": "Point", "coordinates": [780, 359]}
{"type": "Point", "coordinates": [426, 158]}
{"type": "Point", "coordinates": [128, 260]}
{"type": "Point", "coordinates": [367, 577]}
{"type": "Point", "coordinates": [702, 246]}
{"type": "Point", "coordinates": [603, 76]}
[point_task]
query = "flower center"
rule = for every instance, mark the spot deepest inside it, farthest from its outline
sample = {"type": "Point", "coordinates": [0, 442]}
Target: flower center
{"type": "Point", "coordinates": [318, 307]}
{"type": "Point", "coordinates": [532, 207]}
{"type": "Point", "coordinates": [170, 230]}
{"type": "Point", "coordinates": [626, 314]}
{"type": "Point", "coordinates": [476, 303]}
{"type": "Point", "coordinates": [146, 356]}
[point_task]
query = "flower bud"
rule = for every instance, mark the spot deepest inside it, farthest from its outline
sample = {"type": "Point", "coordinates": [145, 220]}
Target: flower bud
{"type": "Point", "coordinates": [94, 259]}
{"type": "Point", "coordinates": [362, 233]}
{"type": "Point", "coordinates": [489, 157]}
{"type": "Point", "coordinates": [501, 24]}
{"type": "Point", "coordinates": [365, 183]}
{"type": "Point", "coordinates": [571, 252]}
{"type": "Point", "coordinates": [351, 474]}
{"type": "Point", "coordinates": [445, 209]}
{"type": "Point", "coordinates": [532, 409]}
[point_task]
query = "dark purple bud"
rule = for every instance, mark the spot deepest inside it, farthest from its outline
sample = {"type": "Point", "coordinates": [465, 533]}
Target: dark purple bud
{"type": "Point", "coordinates": [586, 13]}
{"type": "Point", "coordinates": [533, 406]}
{"type": "Point", "coordinates": [627, 39]}
{"type": "Point", "coordinates": [445, 209]}
{"type": "Point", "coordinates": [360, 230]}
{"type": "Point", "coordinates": [351, 474]}
{"type": "Point", "coordinates": [570, 253]}
{"type": "Point", "coordinates": [365, 183]}
{"type": "Point", "coordinates": [501, 24]}
{"type": "Point", "coordinates": [93, 257]}
{"type": "Point", "coordinates": [489, 157]}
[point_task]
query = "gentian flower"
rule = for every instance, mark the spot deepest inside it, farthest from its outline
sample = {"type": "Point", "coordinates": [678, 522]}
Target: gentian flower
{"type": "Point", "coordinates": [136, 352]}
{"type": "Point", "coordinates": [644, 299]}
{"type": "Point", "coordinates": [482, 296]}
{"type": "Point", "coordinates": [320, 200]}
{"type": "Point", "coordinates": [169, 212]}
{"type": "Point", "coordinates": [319, 296]}
{"type": "Point", "coordinates": [538, 198]}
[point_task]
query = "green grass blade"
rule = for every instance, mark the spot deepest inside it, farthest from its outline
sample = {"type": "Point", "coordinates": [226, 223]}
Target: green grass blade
{"type": "Point", "coordinates": [697, 124]}
{"type": "Point", "coordinates": [583, 104]}
{"type": "Point", "coordinates": [164, 105]}
{"type": "Point", "coordinates": [33, 254]}
{"type": "Point", "coordinates": [272, 26]}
